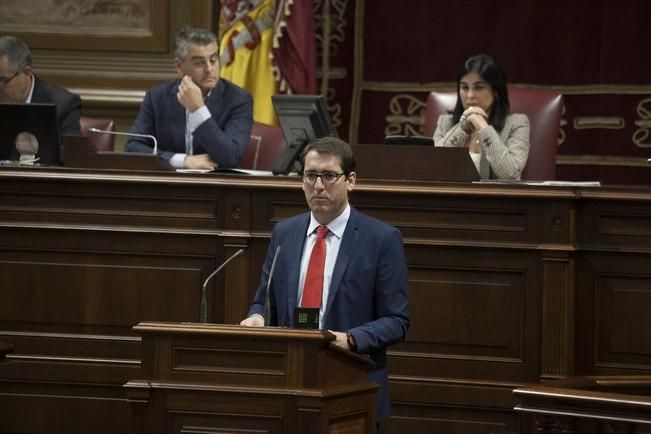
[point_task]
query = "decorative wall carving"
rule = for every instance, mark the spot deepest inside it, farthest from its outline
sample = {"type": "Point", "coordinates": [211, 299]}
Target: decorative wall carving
{"type": "Point", "coordinates": [641, 134]}
{"type": "Point", "coordinates": [405, 116]}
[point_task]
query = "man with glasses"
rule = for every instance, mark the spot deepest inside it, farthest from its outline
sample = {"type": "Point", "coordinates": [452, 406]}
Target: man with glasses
{"type": "Point", "coordinates": [19, 84]}
{"type": "Point", "coordinates": [363, 297]}
{"type": "Point", "coordinates": [200, 120]}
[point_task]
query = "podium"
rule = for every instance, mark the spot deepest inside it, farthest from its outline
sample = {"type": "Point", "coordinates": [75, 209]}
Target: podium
{"type": "Point", "coordinates": [227, 378]}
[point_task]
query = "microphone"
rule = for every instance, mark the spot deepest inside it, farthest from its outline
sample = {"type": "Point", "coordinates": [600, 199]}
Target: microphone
{"type": "Point", "coordinates": [118, 133]}
{"type": "Point", "coordinates": [204, 302]}
{"type": "Point", "coordinates": [267, 301]}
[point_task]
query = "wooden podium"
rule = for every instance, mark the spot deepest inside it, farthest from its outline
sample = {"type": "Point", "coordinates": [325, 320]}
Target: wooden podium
{"type": "Point", "coordinates": [227, 378]}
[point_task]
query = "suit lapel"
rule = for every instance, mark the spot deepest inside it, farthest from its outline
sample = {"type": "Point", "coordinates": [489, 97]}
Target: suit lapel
{"type": "Point", "coordinates": [38, 95]}
{"type": "Point", "coordinates": [349, 245]}
{"type": "Point", "coordinates": [213, 103]}
{"type": "Point", "coordinates": [295, 242]}
{"type": "Point", "coordinates": [177, 112]}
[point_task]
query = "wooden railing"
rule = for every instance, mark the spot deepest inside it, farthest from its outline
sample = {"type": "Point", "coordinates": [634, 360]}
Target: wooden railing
{"type": "Point", "coordinates": [613, 404]}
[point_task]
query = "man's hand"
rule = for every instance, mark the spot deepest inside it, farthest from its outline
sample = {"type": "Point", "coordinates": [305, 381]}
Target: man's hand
{"type": "Point", "coordinates": [341, 341]}
{"type": "Point", "coordinates": [200, 161]}
{"type": "Point", "coordinates": [189, 95]}
{"type": "Point", "coordinates": [255, 320]}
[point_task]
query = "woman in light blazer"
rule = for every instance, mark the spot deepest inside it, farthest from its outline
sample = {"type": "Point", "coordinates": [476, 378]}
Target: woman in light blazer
{"type": "Point", "coordinates": [497, 140]}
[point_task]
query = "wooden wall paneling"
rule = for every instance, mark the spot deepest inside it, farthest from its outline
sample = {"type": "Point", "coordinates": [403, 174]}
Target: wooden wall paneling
{"type": "Point", "coordinates": [62, 407]}
{"type": "Point", "coordinates": [614, 235]}
{"type": "Point", "coordinates": [558, 301]}
{"type": "Point", "coordinates": [83, 260]}
{"type": "Point", "coordinates": [410, 418]}
{"type": "Point", "coordinates": [492, 272]}
{"type": "Point", "coordinates": [612, 316]}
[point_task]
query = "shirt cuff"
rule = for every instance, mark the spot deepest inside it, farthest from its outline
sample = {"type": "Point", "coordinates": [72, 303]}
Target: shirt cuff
{"type": "Point", "coordinates": [198, 117]}
{"type": "Point", "coordinates": [177, 161]}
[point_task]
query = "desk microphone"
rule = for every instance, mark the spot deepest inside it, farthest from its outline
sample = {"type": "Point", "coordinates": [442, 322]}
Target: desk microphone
{"type": "Point", "coordinates": [118, 133]}
{"type": "Point", "coordinates": [204, 302]}
{"type": "Point", "coordinates": [267, 301]}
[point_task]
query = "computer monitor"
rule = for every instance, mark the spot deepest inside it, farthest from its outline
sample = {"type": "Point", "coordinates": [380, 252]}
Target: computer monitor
{"type": "Point", "coordinates": [39, 122]}
{"type": "Point", "coordinates": [302, 118]}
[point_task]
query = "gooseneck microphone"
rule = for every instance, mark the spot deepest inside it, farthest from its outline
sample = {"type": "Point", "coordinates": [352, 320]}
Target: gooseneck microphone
{"type": "Point", "coordinates": [267, 301]}
{"type": "Point", "coordinates": [119, 133]}
{"type": "Point", "coordinates": [204, 302]}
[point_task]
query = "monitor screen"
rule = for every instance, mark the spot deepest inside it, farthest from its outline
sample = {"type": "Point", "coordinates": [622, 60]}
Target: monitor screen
{"type": "Point", "coordinates": [29, 129]}
{"type": "Point", "coordinates": [302, 118]}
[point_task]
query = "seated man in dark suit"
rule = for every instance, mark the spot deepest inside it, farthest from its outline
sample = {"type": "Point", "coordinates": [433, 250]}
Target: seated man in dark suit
{"type": "Point", "coordinates": [199, 120]}
{"type": "Point", "coordinates": [18, 84]}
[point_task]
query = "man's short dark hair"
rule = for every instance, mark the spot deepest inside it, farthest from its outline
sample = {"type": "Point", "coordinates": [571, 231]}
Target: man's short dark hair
{"type": "Point", "coordinates": [332, 146]}
{"type": "Point", "coordinates": [192, 35]}
{"type": "Point", "coordinates": [17, 53]}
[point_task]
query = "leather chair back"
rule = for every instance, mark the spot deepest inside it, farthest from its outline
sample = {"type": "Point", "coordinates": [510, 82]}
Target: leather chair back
{"type": "Point", "coordinates": [265, 147]}
{"type": "Point", "coordinates": [544, 111]}
{"type": "Point", "coordinates": [102, 142]}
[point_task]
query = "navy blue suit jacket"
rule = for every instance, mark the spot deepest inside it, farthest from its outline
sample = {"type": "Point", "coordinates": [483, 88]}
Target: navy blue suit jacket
{"type": "Point", "coordinates": [368, 293]}
{"type": "Point", "coordinates": [68, 105]}
{"type": "Point", "coordinates": [224, 137]}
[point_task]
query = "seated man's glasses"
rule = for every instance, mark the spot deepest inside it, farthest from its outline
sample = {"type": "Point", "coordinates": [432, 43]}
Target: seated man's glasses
{"type": "Point", "coordinates": [326, 177]}
{"type": "Point", "coordinates": [5, 80]}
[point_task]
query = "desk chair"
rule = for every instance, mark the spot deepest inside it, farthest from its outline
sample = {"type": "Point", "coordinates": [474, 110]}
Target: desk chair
{"type": "Point", "coordinates": [265, 147]}
{"type": "Point", "coordinates": [544, 111]}
{"type": "Point", "coordinates": [103, 142]}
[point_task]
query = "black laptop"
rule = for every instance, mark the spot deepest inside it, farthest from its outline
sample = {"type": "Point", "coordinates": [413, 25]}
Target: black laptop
{"type": "Point", "coordinates": [37, 121]}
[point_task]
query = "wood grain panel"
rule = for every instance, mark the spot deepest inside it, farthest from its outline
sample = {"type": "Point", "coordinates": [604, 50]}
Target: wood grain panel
{"type": "Point", "coordinates": [612, 314]}
{"type": "Point", "coordinates": [508, 284]}
{"type": "Point", "coordinates": [623, 323]}
{"type": "Point", "coordinates": [63, 409]}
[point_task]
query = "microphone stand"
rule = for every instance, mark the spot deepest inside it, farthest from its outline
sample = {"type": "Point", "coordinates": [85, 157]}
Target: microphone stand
{"type": "Point", "coordinates": [267, 301]}
{"type": "Point", "coordinates": [204, 302]}
{"type": "Point", "coordinates": [118, 133]}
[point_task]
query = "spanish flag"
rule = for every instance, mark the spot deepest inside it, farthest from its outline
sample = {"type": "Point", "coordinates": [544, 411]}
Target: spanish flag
{"type": "Point", "coordinates": [267, 47]}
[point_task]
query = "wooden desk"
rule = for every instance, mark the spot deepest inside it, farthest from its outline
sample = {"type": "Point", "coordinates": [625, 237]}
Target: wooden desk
{"type": "Point", "coordinates": [509, 284]}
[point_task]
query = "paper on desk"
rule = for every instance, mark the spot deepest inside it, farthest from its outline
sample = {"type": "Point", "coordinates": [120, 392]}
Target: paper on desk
{"type": "Point", "coordinates": [549, 183]}
{"type": "Point", "coordinates": [194, 170]}
{"type": "Point", "coordinates": [234, 170]}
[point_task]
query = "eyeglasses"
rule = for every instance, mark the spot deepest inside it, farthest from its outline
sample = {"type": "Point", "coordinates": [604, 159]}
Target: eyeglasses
{"type": "Point", "coordinates": [326, 177]}
{"type": "Point", "coordinates": [5, 80]}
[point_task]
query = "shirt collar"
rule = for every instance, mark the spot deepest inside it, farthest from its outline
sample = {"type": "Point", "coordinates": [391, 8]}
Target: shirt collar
{"type": "Point", "coordinates": [31, 90]}
{"type": "Point", "coordinates": [337, 226]}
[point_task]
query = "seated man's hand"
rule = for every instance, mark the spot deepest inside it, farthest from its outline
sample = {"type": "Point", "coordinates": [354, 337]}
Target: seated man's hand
{"type": "Point", "coordinates": [255, 320]}
{"type": "Point", "coordinates": [189, 95]}
{"type": "Point", "coordinates": [200, 161]}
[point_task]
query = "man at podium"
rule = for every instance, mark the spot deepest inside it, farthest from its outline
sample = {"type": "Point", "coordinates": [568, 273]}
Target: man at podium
{"type": "Point", "coordinates": [347, 267]}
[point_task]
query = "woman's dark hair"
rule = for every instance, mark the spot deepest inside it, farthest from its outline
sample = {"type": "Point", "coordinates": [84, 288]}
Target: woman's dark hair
{"type": "Point", "coordinates": [491, 72]}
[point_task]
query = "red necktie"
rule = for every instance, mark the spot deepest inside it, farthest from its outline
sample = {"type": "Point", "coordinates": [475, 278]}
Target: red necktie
{"type": "Point", "coordinates": [313, 287]}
